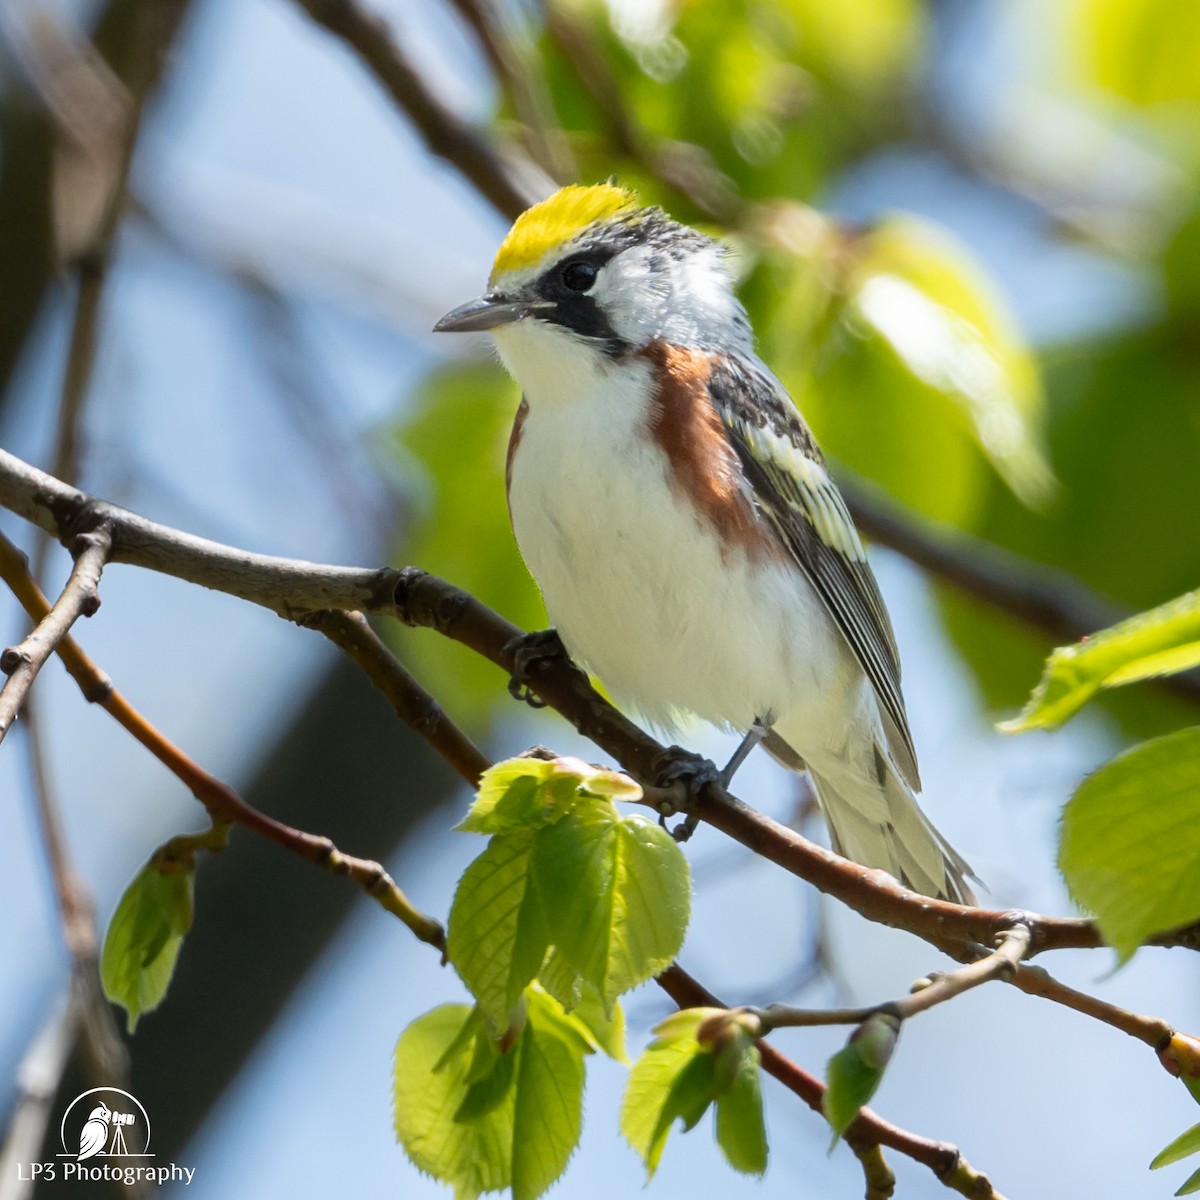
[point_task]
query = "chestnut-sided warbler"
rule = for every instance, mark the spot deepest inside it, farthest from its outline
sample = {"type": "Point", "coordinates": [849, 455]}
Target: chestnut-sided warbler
{"type": "Point", "coordinates": [674, 509]}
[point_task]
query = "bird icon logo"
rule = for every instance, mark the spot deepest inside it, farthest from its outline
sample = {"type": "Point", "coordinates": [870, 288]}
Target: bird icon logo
{"type": "Point", "coordinates": [94, 1135]}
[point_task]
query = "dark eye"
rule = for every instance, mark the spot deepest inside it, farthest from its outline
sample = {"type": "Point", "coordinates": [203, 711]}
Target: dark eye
{"type": "Point", "coordinates": [578, 276]}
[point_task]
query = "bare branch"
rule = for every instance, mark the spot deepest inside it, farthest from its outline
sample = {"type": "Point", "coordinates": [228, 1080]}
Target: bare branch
{"type": "Point", "coordinates": [413, 704]}
{"type": "Point", "coordinates": [511, 187]}
{"type": "Point", "coordinates": [868, 1130]}
{"type": "Point", "coordinates": [221, 801]}
{"type": "Point", "coordinates": [1036, 981]}
{"type": "Point", "coordinates": [512, 60]}
{"type": "Point", "coordinates": [294, 589]}
{"type": "Point", "coordinates": [79, 598]}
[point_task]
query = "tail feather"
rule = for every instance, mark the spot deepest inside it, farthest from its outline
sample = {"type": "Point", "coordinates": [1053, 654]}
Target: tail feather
{"type": "Point", "coordinates": [879, 824]}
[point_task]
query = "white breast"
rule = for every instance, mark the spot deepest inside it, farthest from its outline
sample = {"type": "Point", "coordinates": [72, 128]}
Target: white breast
{"type": "Point", "coordinates": [636, 584]}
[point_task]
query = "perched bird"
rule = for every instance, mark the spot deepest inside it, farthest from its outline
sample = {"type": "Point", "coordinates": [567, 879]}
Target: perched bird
{"type": "Point", "coordinates": [673, 507]}
{"type": "Point", "coordinates": [94, 1135]}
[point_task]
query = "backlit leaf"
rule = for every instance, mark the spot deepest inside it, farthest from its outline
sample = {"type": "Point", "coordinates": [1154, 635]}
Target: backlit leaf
{"type": "Point", "coordinates": [1130, 846]}
{"type": "Point", "coordinates": [549, 1106]}
{"type": "Point", "coordinates": [1185, 1144]}
{"type": "Point", "coordinates": [472, 1154]}
{"type": "Point", "coordinates": [616, 894]}
{"type": "Point", "coordinates": [497, 937]}
{"type": "Point", "coordinates": [144, 937]}
{"type": "Point", "coordinates": [1159, 642]}
{"type": "Point", "coordinates": [741, 1133]}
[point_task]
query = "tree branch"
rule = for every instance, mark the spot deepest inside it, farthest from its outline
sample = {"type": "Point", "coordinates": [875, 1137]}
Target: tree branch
{"type": "Point", "coordinates": [221, 801]}
{"type": "Point", "coordinates": [413, 704]}
{"type": "Point", "coordinates": [868, 1130]}
{"type": "Point", "coordinates": [936, 988]}
{"type": "Point", "coordinates": [510, 187]}
{"type": "Point", "coordinates": [293, 589]}
{"type": "Point", "coordinates": [79, 598]}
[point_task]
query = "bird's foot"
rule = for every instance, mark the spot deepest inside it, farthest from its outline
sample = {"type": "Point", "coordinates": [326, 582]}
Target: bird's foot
{"type": "Point", "coordinates": [682, 774]}
{"type": "Point", "coordinates": [528, 650]}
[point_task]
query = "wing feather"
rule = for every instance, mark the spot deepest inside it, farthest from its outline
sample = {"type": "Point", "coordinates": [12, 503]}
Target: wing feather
{"type": "Point", "coordinates": [795, 493]}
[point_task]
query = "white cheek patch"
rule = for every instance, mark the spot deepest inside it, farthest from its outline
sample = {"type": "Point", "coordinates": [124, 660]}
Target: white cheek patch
{"type": "Point", "coordinates": [648, 294]}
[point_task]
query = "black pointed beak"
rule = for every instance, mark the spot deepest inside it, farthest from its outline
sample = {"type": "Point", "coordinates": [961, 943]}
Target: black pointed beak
{"type": "Point", "coordinates": [488, 312]}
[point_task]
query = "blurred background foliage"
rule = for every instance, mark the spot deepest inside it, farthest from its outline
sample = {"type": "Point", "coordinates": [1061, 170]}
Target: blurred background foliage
{"type": "Point", "coordinates": [968, 235]}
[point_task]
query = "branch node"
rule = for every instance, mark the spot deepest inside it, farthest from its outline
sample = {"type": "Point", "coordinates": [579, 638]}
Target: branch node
{"type": "Point", "coordinates": [14, 657]}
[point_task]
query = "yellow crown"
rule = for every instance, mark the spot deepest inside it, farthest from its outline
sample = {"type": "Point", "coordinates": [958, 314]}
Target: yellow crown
{"type": "Point", "coordinates": [545, 226]}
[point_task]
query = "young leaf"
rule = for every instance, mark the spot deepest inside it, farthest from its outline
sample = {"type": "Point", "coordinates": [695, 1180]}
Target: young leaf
{"type": "Point", "coordinates": [144, 938]}
{"type": "Point", "coordinates": [473, 1152]}
{"type": "Point", "coordinates": [682, 1072]}
{"type": "Point", "coordinates": [483, 1119]}
{"type": "Point", "coordinates": [672, 1079]}
{"type": "Point", "coordinates": [855, 1072]}
{"type": "Point", "coordinates": [1191, 1185]}
{"type": "Point", "coordinates": [1130, 844]}
{"type": "Point", "coordinates": [1162, 641]}
{"type": "Point", "coordinates": [741, 1133]}
{"type": "Point", "coordinates": [527, 793]}
{"type": "Point", "coordinates": [616, 893]}
{"type": "Point", "coordinates": [549, 1101]}
{"type": "Point", "coordinates": [1185, 1144]}
{"type": "Point", "coordinates": [511, 797]}
{"type": "Point", "coordinates": [497, 937]}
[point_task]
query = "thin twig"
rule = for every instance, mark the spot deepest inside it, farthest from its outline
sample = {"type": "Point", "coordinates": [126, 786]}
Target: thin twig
{"type": "Point", "coordinates": [869, 1129]}
{"type": "Point", "coordinates": [79, 598]}
{"type": "Point", "coordinates": [684, 167]}
{"type": "Point", "coordinates": [413, 704]}
{"type": "Point", "coordinates": [38, 1076]}
{"type": "Point", "coordinates": [1036, 981]}
{"type": "Point", "coordinates": [510, 187]}
{"type": "Point", "coordinates": [511, 59]}
{"type": "Point", "coordinates": [221, 801]}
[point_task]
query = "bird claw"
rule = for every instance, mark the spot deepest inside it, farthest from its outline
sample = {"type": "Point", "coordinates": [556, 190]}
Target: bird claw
{"type": "Point", "coordinates": [527, 650]}
{"type": "Point", "coordinates": [684, 773]}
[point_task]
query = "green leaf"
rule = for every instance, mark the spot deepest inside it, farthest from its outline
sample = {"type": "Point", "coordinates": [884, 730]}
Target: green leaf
{"type": "Point", "coordinates": [497, 937]}
{"type": "Point", "coordinates": [490, 1077]}
{"type": "Point", "coordinates": [512, 795]}
{"type": "Point", "coordinates": [549, 1108]}
{"type": "Point", "coordinates": [855, 1072]}
{"type": "Point", "coordinates": [481, 1118]}
{"type": "Point", "coordinates": [673, 1079]}
{"type": "Point", "coordinates": [741, 1133]}
{"type": "Point", "coordinates": [475, 1154]}
{"type": "Point", "coordinates": [1191, 1185]}
{"type": "Point", "coordinates": [1184, 1145]}
{"type": "Point", "coordinates": [616, 893]}
{"type": "Point", "coordinates": [698, 1055]}
{"type": "Point", "coordinates": [527, 793]}
{"type": "Point", "coordinates": [1130, 842]}
{"type": "Point", "coordinates": [1163, 641]}
{"type": "Point", "coordinates": [144, 938]}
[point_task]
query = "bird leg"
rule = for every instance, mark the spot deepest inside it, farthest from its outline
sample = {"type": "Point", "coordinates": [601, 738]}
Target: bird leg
{"type": "Point", "coordinates": [691, 772]}
{"type": "Point", "coordinates": [527, 650]}
{"type": "Point", "coordinates": [754, 735]}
